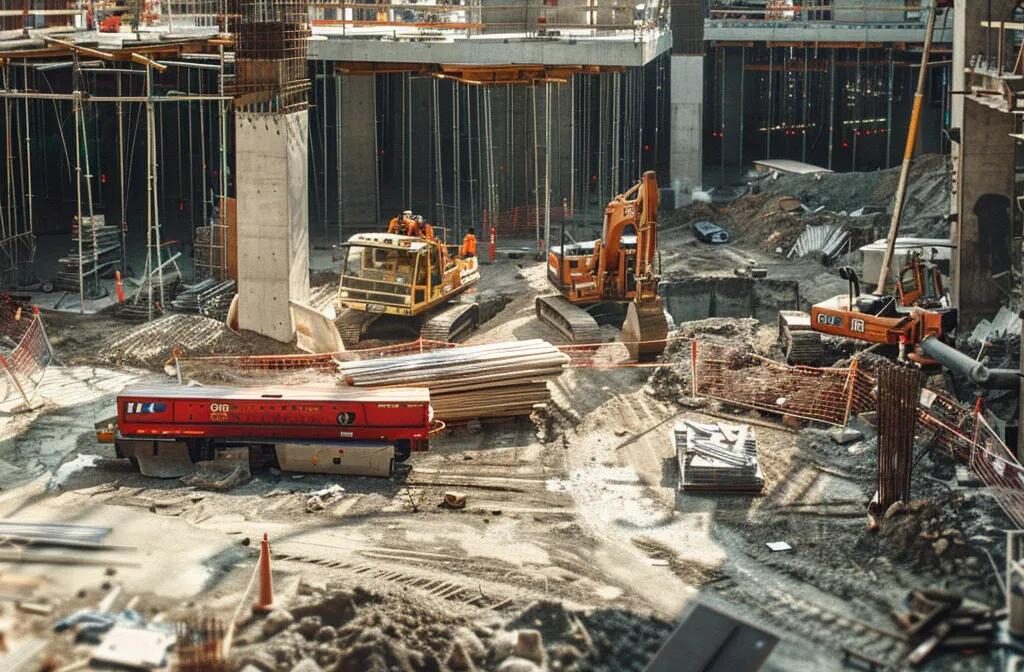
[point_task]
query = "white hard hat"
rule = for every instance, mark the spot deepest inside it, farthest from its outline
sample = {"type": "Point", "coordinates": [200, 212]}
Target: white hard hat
{"type": "Point", "coordinates": [407, 213]}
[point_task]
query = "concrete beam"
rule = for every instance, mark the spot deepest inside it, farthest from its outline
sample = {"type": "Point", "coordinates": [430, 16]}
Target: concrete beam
{"type": "Point", "coordinates": [810, 31]}
{"type": "Point", "coordinates": [624, 49]}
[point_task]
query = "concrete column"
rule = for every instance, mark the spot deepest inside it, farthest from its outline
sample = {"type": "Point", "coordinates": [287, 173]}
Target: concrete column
{"type": "Point", "coordinates": [732, 112]}
{"type": "Point", "coordinates": [271, 171]}
{"type": "Point", "coordinates": [686, 114]}
{"type": "Point", "coordinates": [357, 155]}
{"type": "Point", "coordinates": [984, 167]}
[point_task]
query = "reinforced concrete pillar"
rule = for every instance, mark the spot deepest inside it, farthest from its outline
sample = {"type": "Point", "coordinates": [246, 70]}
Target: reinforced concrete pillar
{"type": "Point", "coordinates": [686, 119]}
{"type": "Point", "coordinates": [273, 219]}
{"type": "Point", "coordinates": [357, 155]}
{"type": "Point", "coordinates": [984, 174]}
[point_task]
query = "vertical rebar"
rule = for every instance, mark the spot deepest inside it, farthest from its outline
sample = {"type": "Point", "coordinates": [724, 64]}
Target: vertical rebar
{"type": "Point", "coordinates": [899, 392]}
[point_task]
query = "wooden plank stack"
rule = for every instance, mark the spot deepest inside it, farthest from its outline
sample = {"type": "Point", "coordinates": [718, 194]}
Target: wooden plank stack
{"type": "Point", "coordinates": [482, 381]}
{"type": "Point", "coordinates": [717, 458]}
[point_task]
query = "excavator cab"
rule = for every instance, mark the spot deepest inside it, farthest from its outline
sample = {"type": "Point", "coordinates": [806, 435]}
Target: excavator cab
{"type": "Point", "coordinates": [920, 283]}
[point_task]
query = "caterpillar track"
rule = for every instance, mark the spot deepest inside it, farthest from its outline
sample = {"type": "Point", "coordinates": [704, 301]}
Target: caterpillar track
{"type": "Point", "coordinates": [570, 320]}
{"type": "Point", "coordinates": [452, 323]}
{"type": "Point", "coordinates": [352, 324]}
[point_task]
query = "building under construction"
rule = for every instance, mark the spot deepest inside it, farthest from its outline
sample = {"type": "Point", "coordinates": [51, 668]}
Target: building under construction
{"type": "Point", "coordinates": [510, 335]}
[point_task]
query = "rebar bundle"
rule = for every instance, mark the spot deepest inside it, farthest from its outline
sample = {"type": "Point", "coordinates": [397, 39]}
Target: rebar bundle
{"type": "Point", "coordinates": [200, 645]}
{"type": "Point", "coordinates": [899, 389]}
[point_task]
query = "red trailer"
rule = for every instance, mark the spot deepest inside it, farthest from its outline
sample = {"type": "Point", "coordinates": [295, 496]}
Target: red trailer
{"type": "Point", "coordinates": [165, 429]}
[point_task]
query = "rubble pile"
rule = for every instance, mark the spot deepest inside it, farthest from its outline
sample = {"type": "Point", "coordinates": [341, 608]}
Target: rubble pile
{"type": "Point", "coordinates": [338, 630]}
{"type": "Point", "coordinates": [672, 379]}
{"type": "Point", "coordinates": [928, 536]}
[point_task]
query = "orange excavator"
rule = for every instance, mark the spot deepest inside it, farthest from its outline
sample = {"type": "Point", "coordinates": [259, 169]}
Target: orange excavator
{"type": "Point", "coordinates": [618, 267]}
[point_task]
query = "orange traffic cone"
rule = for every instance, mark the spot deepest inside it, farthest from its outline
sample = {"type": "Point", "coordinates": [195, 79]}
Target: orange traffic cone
{"type": "Point", "coordinates": [265, 602]}
{"type": "Point", "coordinates": [118, 287]}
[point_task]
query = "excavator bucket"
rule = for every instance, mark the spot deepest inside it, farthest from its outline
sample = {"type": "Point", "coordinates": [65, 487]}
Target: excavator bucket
{"type": "Point", "coordinates": [645, 330]}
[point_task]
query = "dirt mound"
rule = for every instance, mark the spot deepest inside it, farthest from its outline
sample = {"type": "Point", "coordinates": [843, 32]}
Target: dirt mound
{"type": "Point", "coordinates": [150, 344]}
{"type": "Point", "coordinates": [357, 631]}
{"type": "Point", "coordinates": [927, 192]}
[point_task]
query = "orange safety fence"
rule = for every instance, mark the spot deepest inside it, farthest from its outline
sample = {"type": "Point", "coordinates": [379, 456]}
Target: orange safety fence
{"type": "Point", "coordinates": [23, 363]}
{"type": "Point", "coordinates": [521, 221]}
{"type": "Point", "coordinates": [998, 468]}
{"type": "Point", "coordinates": [742, 378]}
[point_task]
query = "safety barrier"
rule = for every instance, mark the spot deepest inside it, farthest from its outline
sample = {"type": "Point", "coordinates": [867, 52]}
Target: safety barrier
{"type": "Point", "coordinates": [24, 364]}
{"type": "Point", "coordinates": [998, 468]}
{"type": "Point", "coordinates": [521, 221]}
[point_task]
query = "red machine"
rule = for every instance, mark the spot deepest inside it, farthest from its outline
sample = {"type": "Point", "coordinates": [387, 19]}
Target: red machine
{"type": "Point", "coordinates": [165, 430]}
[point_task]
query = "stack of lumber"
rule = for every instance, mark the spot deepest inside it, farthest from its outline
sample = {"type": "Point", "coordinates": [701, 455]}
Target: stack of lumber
{"type": "Point", "coordinates": [482, 381]}
{"type": "Point", "coordinates": [101, 253]}
{"type": "Point", "coordinates": [717, 458]}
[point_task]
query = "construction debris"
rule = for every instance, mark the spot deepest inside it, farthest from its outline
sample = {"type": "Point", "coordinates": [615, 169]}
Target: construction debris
{"type": "Point", "coordinates": [208, 297]}
{"type": "Point", "coordinates": [938, 620]}
{"type": "Point", "coordinates": [828, 240]}
{"type": "Point", "coordinates": [483, 381]}
{"type": "Point", "coordinates": [717, 458]}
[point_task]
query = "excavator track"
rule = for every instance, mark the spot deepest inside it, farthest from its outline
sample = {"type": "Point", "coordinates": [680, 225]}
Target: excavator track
{"type": "Point", "coordinates": [573, 322]}
{"type": "Point", "coordinates": [352, 324]}
{"type": "Point", "coordinates": [645, 330]}
{"type": "Point", "coordinates": [452, 323]}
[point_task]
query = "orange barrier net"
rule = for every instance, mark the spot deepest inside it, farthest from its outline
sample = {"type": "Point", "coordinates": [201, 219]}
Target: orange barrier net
{"type": "Point", "coordinates": [24, 363]}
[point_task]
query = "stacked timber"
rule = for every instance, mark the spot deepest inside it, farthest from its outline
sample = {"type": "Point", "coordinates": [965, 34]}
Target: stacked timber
{"type": "Point", "coordinates": [717, 458]}
{"type": "Point", "coordinates": [481, 381]}
{"type": "Point", "coordinates": [101, 253]}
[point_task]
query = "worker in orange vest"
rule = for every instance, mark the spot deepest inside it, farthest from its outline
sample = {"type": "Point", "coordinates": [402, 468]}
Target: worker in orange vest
{"type": "Point", "coordinates": [469, 244]}
{"type": "Point", "coordinates": [393, 226]}
{"type": "Point", "coordinates": [412, 227]}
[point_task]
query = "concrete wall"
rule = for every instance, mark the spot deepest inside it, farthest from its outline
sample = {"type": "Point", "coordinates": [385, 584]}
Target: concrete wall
{"type": "Point", "coordinates": [696, 298]}
{"type": "Point", "coordinates": [686, 125]}
{"type": "Point", "coordinates": [357, 154]}
{"type": "Point", "coordinates": [273, 219]}
{"type": "Point", "coordinates": [984, 165]}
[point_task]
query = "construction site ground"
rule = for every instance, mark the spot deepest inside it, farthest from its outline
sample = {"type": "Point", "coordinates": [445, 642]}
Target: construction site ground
{"type": "Point", "coordinates": [571, 518]}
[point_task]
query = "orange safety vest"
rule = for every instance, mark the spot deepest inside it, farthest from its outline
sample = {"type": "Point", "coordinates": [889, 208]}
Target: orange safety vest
{"type": "Point", "coordinates": [411, 227]}
{"type": "Point", "coordinates": [469, 245]}
{"type": "Point", "coordinates": [393, 225]}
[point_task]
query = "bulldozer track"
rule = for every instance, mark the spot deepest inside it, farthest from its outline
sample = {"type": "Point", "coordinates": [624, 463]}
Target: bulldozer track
{"type": "Point", "coordinates": [452, 323]}
{"type": "Point", "coordinates": [570, 320]}
{"type": "Point", "coordinates": [431, 585]}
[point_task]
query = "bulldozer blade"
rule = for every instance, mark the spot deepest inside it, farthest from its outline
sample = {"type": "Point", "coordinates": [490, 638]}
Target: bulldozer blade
{"type": "Point", "coordinates": [645, 330]}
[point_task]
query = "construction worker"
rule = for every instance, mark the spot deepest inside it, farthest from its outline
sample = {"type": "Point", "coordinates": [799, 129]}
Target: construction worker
{"type": "Point", "coordinates": [412, 227]}
{"type": "Point", "coordinates": [469, 244]}
{"type": "Point", "coordinates": [428, 231]}
{"type": "Point", "coordinates": [394, 226]}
